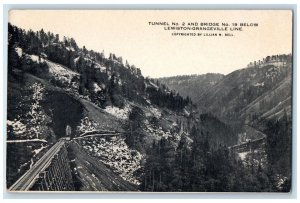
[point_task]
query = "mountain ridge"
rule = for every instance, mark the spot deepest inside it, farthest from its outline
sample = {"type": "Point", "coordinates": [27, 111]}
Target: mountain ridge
{"type": "Point", "coordinates": [192, 86]}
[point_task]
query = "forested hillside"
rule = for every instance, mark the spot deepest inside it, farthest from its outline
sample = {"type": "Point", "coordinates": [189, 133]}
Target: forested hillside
{"type": "Point", "coordinates": [192, 86]}
{"type": "Point", "coordinates": [253, 91]}
{"type": "Point", "coordinates": [257, 102]}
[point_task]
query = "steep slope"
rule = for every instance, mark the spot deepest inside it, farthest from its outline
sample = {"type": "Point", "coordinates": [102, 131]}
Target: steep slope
{"type": "Point", "coordinates": [91, 175]}
{"type": "Point", "coordinates": [192, 86]}
{"type": "Point", "coordinates": [217, 132]}
{"type": "Point", "coordinates": [54, 84]}
{"type": "Point", "coordinates": [250, 91]}
{"type": "Point", "coordinates": [271, 105]}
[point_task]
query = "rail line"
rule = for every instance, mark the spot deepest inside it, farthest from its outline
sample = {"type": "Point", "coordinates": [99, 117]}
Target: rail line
{"type": "Point", "coordinates": [27, 180]}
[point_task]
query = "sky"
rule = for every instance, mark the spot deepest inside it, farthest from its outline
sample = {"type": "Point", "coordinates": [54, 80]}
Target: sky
{"type": "Point", "coordinates": [155, 51]}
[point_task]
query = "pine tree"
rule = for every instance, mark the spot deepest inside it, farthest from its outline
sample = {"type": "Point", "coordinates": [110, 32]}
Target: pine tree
{"type": "Point", "coordinates": [181, 177]}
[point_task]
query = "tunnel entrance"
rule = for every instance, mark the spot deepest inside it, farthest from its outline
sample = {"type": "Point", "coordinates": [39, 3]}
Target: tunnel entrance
{"type": "Point", "coordinates": [64, 111]}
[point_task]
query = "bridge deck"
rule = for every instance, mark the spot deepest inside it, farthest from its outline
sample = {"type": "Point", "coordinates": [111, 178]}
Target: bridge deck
{"type": "Point", "coordinates": [251, 145]}
{"type": "Point", "coordinates": [28, 179]}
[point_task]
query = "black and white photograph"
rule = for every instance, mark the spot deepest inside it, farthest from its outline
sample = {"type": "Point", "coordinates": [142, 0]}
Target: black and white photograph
{"type": "Point", "coordinates": [149, 101]}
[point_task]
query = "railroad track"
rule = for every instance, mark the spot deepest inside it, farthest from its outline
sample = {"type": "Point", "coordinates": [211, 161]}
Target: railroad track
{"type": "Point", "coordinates": [26, 181]}
{"type": "Point", "coordinates": [98, 134]}
{"type": "Point", "coordinates": [248, 145]}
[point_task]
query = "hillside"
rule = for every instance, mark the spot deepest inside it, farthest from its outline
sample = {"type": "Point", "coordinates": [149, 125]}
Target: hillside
{"type": "Point", "coordinates": [260, 91]}
{"type": "Point", "coordinates": [256, 102]}
{"type": "Point", "coordinates": [192, 86]}
{"type": "Point", "coordinates": [271, 105]}
{"type": "Point", "coordinates": [54, 84]}
{"type": "Point", "coordinates": [251, 92]}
